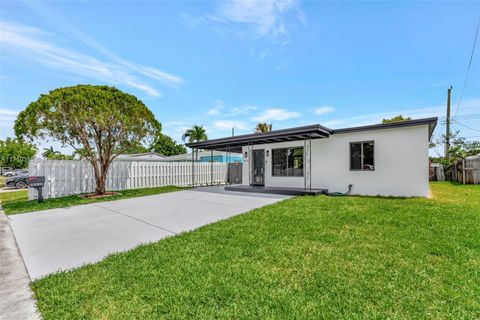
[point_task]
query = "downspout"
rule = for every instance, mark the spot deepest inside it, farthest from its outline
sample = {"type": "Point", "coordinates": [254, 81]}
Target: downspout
{"type": "Point", "coordinates": [310, 162]}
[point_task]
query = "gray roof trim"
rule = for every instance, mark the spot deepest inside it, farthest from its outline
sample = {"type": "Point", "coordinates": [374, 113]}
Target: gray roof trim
{"type": "Point", "coordinates": [431, 122]}
{"type": "Point", "coordinates": [315, 131]}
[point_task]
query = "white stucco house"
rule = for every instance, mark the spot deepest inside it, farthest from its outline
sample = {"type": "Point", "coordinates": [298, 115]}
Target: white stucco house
{"type": "Point", "coordinates": [382, 159]}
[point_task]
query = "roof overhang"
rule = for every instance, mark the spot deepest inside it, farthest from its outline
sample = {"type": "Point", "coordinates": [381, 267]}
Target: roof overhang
{"type": "Point", "coordinates": [316, 131]}
{"type": "Point", "coordinates": [235, 143]}
{"type": "Point", "coordinates": [431, 122]}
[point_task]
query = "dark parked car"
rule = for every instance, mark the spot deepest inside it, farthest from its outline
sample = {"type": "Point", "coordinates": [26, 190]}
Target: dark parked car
{"type": "Point", "coordinates": [20, 181]}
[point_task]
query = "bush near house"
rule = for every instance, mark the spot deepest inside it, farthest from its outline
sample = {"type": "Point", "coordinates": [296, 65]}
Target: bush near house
{"type": "Point", "coordinates": [303, 258]}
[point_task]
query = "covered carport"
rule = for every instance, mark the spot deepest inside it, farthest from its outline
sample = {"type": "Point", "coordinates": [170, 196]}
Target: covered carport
{"type": "Point", "coordinates": [236, 144]}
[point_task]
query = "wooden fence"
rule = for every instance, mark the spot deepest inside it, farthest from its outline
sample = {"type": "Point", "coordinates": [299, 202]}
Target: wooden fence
{"type": "Point", "coordinates": [67, 177]}
{"type": "Point", "coordinates": [466, 171]}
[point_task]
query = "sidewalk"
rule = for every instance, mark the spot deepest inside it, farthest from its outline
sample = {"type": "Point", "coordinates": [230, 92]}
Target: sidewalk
{"type": "Point", "coordinates": [16, 297]}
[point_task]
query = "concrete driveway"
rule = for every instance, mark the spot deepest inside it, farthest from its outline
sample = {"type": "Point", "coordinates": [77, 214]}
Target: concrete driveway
{"type": "Point", "coordinates": [61, 239]}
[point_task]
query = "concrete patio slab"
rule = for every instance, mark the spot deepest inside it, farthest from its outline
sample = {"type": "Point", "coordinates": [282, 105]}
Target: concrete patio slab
{"type": "Point", "coordinates": [61, 239]}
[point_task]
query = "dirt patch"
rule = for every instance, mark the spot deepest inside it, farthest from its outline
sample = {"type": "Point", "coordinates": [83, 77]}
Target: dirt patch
{"type": "Point", "coordinates": [97, 196]}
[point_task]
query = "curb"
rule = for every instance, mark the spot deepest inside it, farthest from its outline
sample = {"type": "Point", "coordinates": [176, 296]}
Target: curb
{"type": "Point", "coordinates": [16, 297]}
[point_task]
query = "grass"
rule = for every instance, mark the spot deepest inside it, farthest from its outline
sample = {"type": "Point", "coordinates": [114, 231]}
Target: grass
{"type": "Point", "coordinates": [2, 181]}
{"type": "Point", "coordinates": [302, 258]}
{"type": "Point", "coordinates": [17, 202]}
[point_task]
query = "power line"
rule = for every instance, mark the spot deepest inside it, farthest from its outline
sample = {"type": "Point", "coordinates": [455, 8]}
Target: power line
{"type": "Point", "coordinates": [468, 70]}
{"type": "Point", "coordinates": [466, 126]}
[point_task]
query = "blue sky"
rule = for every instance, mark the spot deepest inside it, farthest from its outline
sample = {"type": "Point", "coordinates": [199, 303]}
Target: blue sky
{"type": "Point", "coordinates": [234, 63]}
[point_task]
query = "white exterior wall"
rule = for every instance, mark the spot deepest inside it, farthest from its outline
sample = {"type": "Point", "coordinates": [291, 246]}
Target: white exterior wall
{"type": "Point", "coordinates": [401, 163]}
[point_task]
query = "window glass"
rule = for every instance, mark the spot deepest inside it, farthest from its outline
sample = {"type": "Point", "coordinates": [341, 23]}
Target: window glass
{"type": "Point", "coordinates": [355, 156]}
{"type": "Point", "coordinates": [362, 156]}
{"type": "Point", "coordinates": [279, 162]}
{"type": "Point", "coordinates": [295, 162]}
{"type": "Point", "coordinates": [287, 162]}
{"type": "Point", "coordinates": [368, 156]}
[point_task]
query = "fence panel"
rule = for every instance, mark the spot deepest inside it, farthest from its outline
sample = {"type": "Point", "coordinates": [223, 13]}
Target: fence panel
{"type": "Point", "coordinates": [67, 177]}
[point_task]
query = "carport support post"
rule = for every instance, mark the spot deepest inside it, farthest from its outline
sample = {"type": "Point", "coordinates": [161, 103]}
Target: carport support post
{"type": "Point", "coordinates": [250, 163]}
{"type": "Point", "coordinates": [305, 164]}
{"type": "Point", "coordinates": [228, 162]}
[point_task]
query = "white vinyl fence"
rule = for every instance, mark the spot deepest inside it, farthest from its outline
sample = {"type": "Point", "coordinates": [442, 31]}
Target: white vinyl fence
{"type": "Point", "coordinates": [67, 177]}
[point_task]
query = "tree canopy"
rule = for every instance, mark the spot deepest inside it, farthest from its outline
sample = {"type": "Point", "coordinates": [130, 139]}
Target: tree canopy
{"type": "Point", "coordinates": [396, 119]}
{"type": "Point", "coordinates": [101, 120]}
{"type": "Point", "coordinates": [16, 153]}
{"type": "Point", "coordinates": [194, 134]}
{"type": "Point", "coordinates": [263, 127]}
{"type": "Point", "coordinates": [51, 154]}
{"type": "Point", "coordinates": [166, 146]}
{"type": "Point", "coordinates": [133, 147]}
{"type": "Point", "coordinates": [459, 148]}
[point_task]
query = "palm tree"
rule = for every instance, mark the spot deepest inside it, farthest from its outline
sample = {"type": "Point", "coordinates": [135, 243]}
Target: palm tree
{"type": "Point", "coordinates": [263, 127]}
{"type": "Point", "coordinates": [50, 153]}
{"type": "Point", "coordinates": [195, 134]}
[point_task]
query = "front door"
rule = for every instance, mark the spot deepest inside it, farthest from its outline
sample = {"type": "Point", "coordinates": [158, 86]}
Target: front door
{"type": "Point", "coordinates": [259, 167]}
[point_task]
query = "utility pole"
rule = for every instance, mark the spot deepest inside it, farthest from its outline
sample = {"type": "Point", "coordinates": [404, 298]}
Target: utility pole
{"type": "Point", "coordinates": [447, 127]}
{"type": "Point", "coordinates": [233, 131]}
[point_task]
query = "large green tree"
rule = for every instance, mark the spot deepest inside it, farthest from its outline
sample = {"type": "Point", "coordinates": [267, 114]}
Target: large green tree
{"type": "Point", "coordinates": [100, 121]}
{"type": "Point", "coordinates": [165, 145]}
{"type": "Point", "coordinates": [195, 134]}
{"type": "Point", "coordinates": [459, 148]}
{"type": "Point", "coordinates": [16, 153]}
{"type": "Point", "coordinates": [396, 119]}
{"type": "Point", "coordinates": [263, 127]}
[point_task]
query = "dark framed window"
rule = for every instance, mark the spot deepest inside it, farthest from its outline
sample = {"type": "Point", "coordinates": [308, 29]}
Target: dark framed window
{"type": "Point", "coordinates": [287, 162]}
{"type": "Point", "coordinates": [362, 156]}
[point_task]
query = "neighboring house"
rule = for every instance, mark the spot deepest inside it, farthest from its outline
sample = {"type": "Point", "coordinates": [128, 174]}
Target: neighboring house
{"type": "Point", "coordinates": [206, 156]}
{"type": "Point", "coordinates": [141, 156]}
{"type": "Point", "coordinates": [388, 159]}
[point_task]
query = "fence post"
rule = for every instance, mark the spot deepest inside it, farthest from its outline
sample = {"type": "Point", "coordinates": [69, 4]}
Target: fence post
{"type": "Point", "coordinates": [193, 167]}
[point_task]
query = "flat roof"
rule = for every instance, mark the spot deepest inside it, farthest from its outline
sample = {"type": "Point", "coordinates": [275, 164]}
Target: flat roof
{"type": "Point", "coordinates": [431, 122]}
{"type": "Point", "coordinates": [315, 131]}
{"type": "Point", "coordinates": [235, 143]}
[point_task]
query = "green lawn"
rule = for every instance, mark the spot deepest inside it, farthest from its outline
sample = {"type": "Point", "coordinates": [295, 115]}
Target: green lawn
{"type": "Point", "coordinates": [303, 258]}
{"type": "Point", "coordinates": [17, 202]}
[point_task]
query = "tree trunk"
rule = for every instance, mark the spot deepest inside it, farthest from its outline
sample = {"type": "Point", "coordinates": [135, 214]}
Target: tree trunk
{"type": "Point", "coordinates": [100, 189]}
{"type": "Point", "coordinates": [101, 172]}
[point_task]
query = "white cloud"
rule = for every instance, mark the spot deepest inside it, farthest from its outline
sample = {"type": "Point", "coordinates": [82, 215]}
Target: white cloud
{"type": "Point", "coordinates": [28, 43]}
{"type": "Point", "coordinates": [245, 109]}
{"type": "Point", "coordinates": [7, 118]}
{"type": "Point", "coordinates": [8, 112]}
{"type": "Point", "coordinates": [213, 112]}
{"type": "Point", "coordinates": [323, 110]}
{"type": "Point", "coordinates": [267, 17]}
{"type": "Point", "coordinates": [469, 107]}
{"type": "Point", "coordinates": [276, 114]}
{"type": "Point", "coordinates": [216, 109]}
{"type": "Point", "coordinates": [228, 125]}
